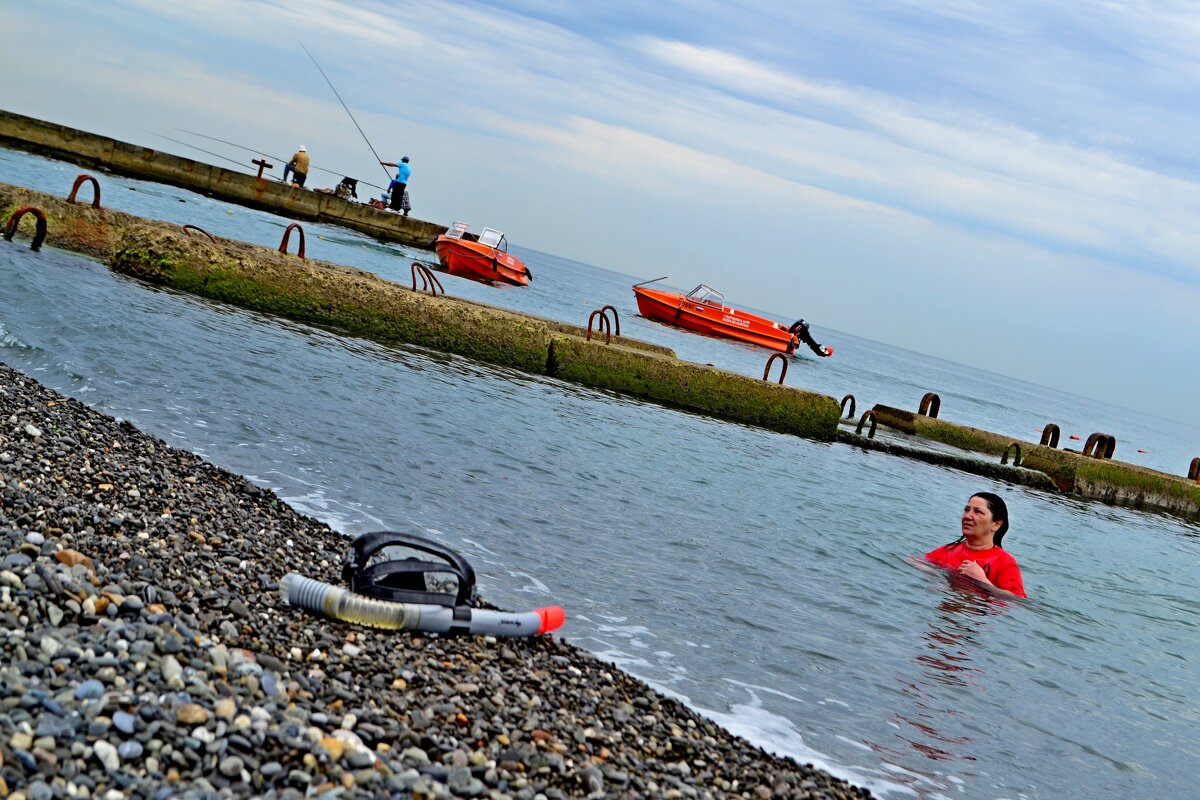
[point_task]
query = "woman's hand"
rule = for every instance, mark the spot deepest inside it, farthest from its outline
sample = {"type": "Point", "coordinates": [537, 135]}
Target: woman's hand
{"type": "Point", "coordinates": [973, 570]}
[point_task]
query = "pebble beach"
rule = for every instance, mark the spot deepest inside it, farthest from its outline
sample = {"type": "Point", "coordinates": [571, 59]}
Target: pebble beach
{"type": "Point", "coordinates": [147, 654]}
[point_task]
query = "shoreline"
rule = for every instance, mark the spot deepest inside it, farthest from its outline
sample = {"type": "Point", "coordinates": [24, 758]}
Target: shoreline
{"type": "Point", "coordinates": [147, 654]}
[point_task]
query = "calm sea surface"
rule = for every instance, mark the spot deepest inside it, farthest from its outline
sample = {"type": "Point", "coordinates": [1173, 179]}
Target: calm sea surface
{"type": "Point", "coordinates": [761, 578]}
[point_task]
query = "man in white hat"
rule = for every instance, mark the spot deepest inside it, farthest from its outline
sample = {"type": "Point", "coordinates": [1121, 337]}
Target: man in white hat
{"type": "Point", "coordinates": [298, 166]}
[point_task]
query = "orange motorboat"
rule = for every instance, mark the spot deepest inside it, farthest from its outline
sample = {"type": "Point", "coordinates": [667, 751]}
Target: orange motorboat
{"type": "Point", "coordinates": [481, 258]}
{"type": "Point", "coordinates": [703, 310]}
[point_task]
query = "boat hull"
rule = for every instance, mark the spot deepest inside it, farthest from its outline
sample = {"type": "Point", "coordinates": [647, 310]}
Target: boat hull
{"type": "Point", "coordinates": [675, 309]}
{"type": "Point", "coordinates": [480, 262]}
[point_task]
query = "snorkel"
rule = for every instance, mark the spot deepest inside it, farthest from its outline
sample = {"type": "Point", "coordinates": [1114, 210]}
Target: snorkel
{"type": "Point", "coordinates": [395, 594]}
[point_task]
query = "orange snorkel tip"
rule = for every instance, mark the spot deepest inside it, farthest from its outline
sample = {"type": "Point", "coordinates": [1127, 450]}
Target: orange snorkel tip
{"type": "Point", "coordinates": [552, 618]}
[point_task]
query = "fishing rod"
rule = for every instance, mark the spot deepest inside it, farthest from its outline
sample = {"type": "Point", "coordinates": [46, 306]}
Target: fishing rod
{"type": "Point", "coordinates": [343, 102]}
{"type": "Point", "coordinates": [255, 150]}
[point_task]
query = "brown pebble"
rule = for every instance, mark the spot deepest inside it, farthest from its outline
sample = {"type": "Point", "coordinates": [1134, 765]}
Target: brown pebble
{"type": "Point", "coordinates": [191, 714]}
{"type": "Point", "coordinates": [73, 557]}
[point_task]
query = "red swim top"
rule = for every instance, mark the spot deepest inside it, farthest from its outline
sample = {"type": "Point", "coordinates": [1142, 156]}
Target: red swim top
{"type": "Point", "coordinates": [998, 564]}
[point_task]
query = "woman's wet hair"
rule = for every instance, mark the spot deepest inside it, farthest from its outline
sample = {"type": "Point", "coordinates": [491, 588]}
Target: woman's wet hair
{"type": "Point", "coordinates": [999, 512]}
{"type": "Point", "coordinates": [996, 505]}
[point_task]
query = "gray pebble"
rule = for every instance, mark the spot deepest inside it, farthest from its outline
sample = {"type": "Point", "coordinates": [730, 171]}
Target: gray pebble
{"type": "Point", "coordinates": [89, 690]}
{"type": "Point", "coordinates": [124, 722]}
{"type": "Point", "coordinates": [130, 750]}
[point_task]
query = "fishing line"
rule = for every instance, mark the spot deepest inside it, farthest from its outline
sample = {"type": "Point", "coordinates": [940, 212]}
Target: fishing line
{"type": "Point", "coordinates": [254, 150]}
{"type": "Point", "coordinates": [194, 147]}
{"type": "Point", "coordinates": [343, 102]}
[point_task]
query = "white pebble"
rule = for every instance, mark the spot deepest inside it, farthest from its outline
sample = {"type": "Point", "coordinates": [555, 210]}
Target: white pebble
{"type": "Point", "coordinates": [106, 754]}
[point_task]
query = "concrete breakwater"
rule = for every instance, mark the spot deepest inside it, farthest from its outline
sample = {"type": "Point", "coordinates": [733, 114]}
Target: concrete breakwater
{"type": "Point", "coordinates": [91, 150]}
{"type": "Point", "coordinates": [363, 304]}
{"type": "Point", "coordinates": [146, 654]}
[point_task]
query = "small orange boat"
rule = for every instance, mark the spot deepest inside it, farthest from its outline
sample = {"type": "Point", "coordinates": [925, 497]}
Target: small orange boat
{"type": "Point", "coordinates": [481, 258]}
{"type": "Point", "coordinates": [703, 310]}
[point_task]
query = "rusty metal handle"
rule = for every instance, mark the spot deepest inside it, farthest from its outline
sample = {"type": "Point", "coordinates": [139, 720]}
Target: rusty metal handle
{"type": "Point", "coordinates": [1100, 445]}
{"type": "Point", "coordinates": [850, 413]}
{"type": "Point", "coordinates": [1050, 435]}
{"type": "Point", "coordinates": [771, 360]}
{"type": "Point", "coordinates": [869, 414]}
{"type": "Point", "coordinates": [14, 219]}
{"type": "Point", "coordinates": [1016, 448]}
{"type": "Point", "coordinates": [95, 186]}
{"type": "Point", "coordinates": [931, 404]}
{"type": "Point", "coordinates": [616, 317]}
{"type": "Point", "coordinates": [287, 234]}
{"type": "Point", "coordinates": [189, 228]}
{"type": "Point", "coordinates": [429, 281]}
{"type": "Point", "coordinates": [604, 324]}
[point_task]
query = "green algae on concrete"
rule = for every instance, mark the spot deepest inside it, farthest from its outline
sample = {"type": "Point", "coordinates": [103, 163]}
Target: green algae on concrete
{"type": "Point", "coordinates": [352, 300]}
{"type": "Point", "coordinates": [694, 386]}
{"type": "Point", "coordinates": [1115, 481]}
{"type": "Point", "coordinates": [361, 303]}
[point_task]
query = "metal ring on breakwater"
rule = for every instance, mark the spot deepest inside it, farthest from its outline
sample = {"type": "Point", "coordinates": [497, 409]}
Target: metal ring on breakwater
{"type": "Point", "coordinates": [1100, 445]}
{"type": "Point", "coordinates": [869, 414]}
{"type": "Point", "coordinates": [95, 190]}
{"type": "Point", "coordinates": [1050, 435]}
{"type": "Point", "coordinates": [287, 234]}
{"type": "Point", "coordinates": [1194, 470]}
{"type": "Point", "coordinates": [603, 325]}
{"type": "Point", "coordinates": [783, 370]}
{"type": "Point", "coordinates": [189, 228]}
{"type": "Point", "coordinates": [849, 414]}
{"type": "Point", "coordinates": [429, 281]}
{"type": "Point", "coordinates": [616, 316]}
{"type": "Point", "coordinates": [1015, 447]}
{"type": "Point", "coordinates": [931, 404]}
{"type": "Point", "coordinates": [14, 219]}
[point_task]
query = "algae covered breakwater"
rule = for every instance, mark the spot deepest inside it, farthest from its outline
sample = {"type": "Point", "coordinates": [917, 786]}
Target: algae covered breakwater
{"type": "Point", "coordinates": [360, 303]}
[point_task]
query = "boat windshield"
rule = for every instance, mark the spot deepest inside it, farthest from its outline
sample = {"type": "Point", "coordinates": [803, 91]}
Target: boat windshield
{"type": "Point", "coordinates": [457, 230]}
{"type": "Point", "coordinates": [707, 295]}
{"type": "Point", "coordinates": [493, 238]}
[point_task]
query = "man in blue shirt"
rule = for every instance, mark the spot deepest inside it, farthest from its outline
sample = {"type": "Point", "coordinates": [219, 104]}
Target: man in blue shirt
{"type": "Point", "coordinates": [400, 182]}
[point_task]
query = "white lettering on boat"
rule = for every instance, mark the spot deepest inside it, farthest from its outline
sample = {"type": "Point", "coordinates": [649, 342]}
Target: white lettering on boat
{"type": "Point", "coordinates": [732, 320]}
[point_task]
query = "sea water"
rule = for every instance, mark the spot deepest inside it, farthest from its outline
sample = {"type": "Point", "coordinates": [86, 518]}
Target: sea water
{"type": "Point", "coordinates": [764, 579]}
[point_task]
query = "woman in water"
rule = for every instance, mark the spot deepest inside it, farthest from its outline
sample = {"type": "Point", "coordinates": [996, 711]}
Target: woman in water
{"type": "Point", "coordinates": [977, 554]}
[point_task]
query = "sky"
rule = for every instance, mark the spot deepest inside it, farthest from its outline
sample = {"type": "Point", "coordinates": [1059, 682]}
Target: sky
{"type": "Point", "coordinates": [1014, 186]}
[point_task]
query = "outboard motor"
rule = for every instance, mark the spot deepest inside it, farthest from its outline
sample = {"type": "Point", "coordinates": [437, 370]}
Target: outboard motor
{"type": "Point", "coordinates": [799, 329]}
